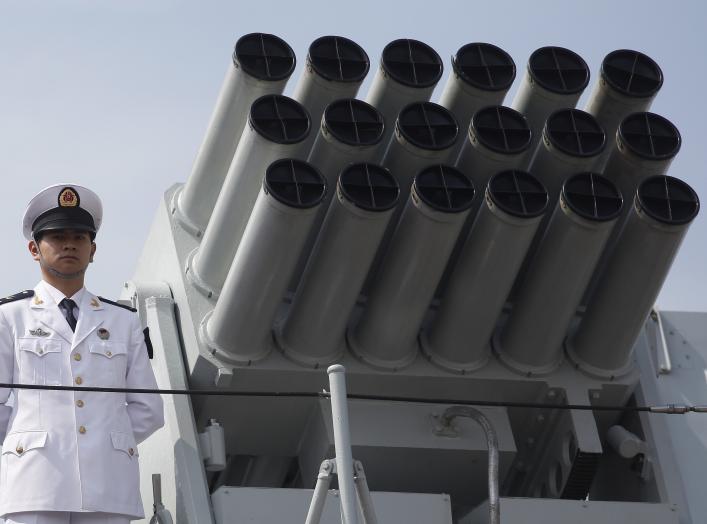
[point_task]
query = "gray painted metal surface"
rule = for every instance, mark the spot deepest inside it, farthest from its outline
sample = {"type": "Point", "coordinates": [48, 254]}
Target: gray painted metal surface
{"type": "Point", "coordinates": [275, 445]}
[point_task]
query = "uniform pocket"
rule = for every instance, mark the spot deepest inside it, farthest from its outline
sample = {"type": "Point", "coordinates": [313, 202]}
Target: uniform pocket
{"type": "Point", "coordinates": [40, 361]}
{"type": "Point", "coordinates": [110, 359]}
{"type": "Point", "coordinates": [124, 443]}
{"type": "Point", "coordinates": [22, 442]}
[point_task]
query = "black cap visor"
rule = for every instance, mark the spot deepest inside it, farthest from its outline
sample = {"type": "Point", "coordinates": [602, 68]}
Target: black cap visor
{"type": "Point", "coordinates": [64, 218]}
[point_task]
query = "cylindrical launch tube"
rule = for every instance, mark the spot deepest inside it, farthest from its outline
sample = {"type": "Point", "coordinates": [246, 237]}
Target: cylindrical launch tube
{"type": "Point", "coordinates": [548, 296]}
{"type": "Point", "coordinates": [661, 213]}
{"type": "Point", "coordinates": [572, 142]}
{"type": "Point", "coordinates": [277, 126]}
{"type": "Point", "coordinates": [314, 331]}
{"type": "Point", "coordinates": [350, 132]}
{"type": "Point", "coordinates": [409, 71]}
{"type": "Point", "coordinates": [425, 134]}
{"type": "Point", "coordinates": [385, 335]}
{"type": "Point", "coordinates": [261, 65]}
{"type": "Point", "coordinates": [497, 140]}
{"type": "Point", "coordinates": [239, 327]}
{"type": "Point", "coordinates": [646, 144]}
{"type": "Point", "coordinates": [554, 79]}
{"type": "Point", "coordinates": [628, 83]}
{"type": "Point", "coordinates": [335, 68]}
{"type": "Point", "coordinates": [459, 336]}
{"type": "Point", "coordinates": [481, 76]}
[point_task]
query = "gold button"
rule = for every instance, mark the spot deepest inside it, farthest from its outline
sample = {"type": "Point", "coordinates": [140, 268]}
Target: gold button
{"type": "Point", "coordinates": [79, 380]}
{"type": "Point", "coordinates": [79, 403]}
{"type": "Point", "coordinates": [82, 429]}
{"type": "Point", "coordinates": [109, 353]}
{"type": "Point", "coordinates": [131, 452]}
{"type": "Point", "coordinates": [77, 356]}
{"type": "Point", "coordinates": [20, 450]}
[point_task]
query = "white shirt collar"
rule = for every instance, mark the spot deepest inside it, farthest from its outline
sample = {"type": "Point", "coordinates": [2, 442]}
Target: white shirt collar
{"type": "Point", "coordinates": [58, 296]}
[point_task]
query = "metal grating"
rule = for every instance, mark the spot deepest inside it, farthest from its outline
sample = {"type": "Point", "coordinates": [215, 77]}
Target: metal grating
{"type": "Point", "coordinates": [339, 59]}
{"type": "Point", "coordinates": [428, 126]}
{"type": "Point", "coordinates": [279, 119]}
{"type": "Point", "coordinates": [579, 481]}
{"type": "Point", "coordinates": [518, 193]}
{"type": "Point", "coordinates": [485, 66]}
{"type": "Point", "coordinates": [632, 73]}
{"type": "Point", "coordinates": [294, 183]}
{"type": "Point", "coordinates": [264, 56]}
{"type": "Point", "coordinates": [412, 63]}
{"type": "Point", "coordinates": [444, 188]}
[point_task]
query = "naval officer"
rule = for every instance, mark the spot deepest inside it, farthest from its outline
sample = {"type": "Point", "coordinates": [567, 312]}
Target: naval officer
{"type": "Point", "coordinates": [71, 456]}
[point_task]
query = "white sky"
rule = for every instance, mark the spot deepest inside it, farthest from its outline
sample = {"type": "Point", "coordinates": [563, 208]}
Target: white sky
{"type": "Point", "coordinates": [116, 95]}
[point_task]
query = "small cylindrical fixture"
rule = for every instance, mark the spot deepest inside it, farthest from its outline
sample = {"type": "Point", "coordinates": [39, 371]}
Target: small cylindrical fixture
{"type": "Point", "coordinates": [554, 79]}
{"type": "Point", "coordinates": [481, 76]}
{"type": "Point", "coordinates": [424, 135]}
{"type": "Point", "coordinates": [409, 71]}
{"type": "Point", "coordinates": [662, 211]}
{"type": "Point", "coordinates": [646, 144]}
{"type": "Point", "coordinates": [498, 139]}
{"type": "Point", "coordinates": [628, 82]}
{"type": "Point", "coordinates": [459, 335]}
{"type": "Point", "coordinates": [350, 133]}
{"type": "Point", "coordinates": [262, 64]}
{"type": "Point", "coordinates": [386, 332]}
{"type": "Point", "coordinates": [239, 327]}
{"type": "Point", "coordinates": [571, 143]}
{"type": "Point", "coordinates": [313, 332]}
{"type": "Point", "coordinates": [531, 339]}
{"type": "Point", "coordinates": [335, 68]}
{"type": "Point", "coordinates": [277, 125]}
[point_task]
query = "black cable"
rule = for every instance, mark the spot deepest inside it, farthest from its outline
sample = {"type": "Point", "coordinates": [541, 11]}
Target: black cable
{"type": "Point", "coordinates": [668, 409]}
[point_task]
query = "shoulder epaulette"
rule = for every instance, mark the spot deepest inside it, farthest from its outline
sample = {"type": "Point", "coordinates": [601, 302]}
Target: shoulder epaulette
{"type": "Point", "coordinates": [112, 302]}
{"type": "Point", "coordinates": [17, 296]}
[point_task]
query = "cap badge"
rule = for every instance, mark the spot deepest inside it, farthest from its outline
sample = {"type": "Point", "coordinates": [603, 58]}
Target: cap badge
{"type": "Point", "coordinates": [39, 332]}
{"type": "Point", "coordinates": [103, 334]}
{"type": "Point", "coordinates": [68, 198]}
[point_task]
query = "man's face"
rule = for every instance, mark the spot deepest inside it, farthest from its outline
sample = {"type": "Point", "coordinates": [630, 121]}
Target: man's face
{"type": "Point", "coordinates": [65, 252]}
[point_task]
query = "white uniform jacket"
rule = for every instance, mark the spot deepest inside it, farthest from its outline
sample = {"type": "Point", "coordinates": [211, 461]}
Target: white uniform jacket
{"type": "Point", "coordinates": [69, 450]}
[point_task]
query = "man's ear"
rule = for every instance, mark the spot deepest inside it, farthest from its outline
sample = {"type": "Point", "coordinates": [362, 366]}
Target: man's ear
{"type": "Point", "coordinates": [93, 251]}
{"type": "Point", "coordinates": [34, 250]}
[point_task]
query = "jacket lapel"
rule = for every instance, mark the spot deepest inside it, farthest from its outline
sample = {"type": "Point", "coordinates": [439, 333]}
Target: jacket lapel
{"type": "Point", "coordinates": [48, 313]}
{"type": "Point", "coordinates": [90, 317]}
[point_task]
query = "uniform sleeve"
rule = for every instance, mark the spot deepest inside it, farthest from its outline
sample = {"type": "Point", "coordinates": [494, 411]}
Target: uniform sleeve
{"type": "Point", "coordinates": [7, 366]}
{"type": "Point", "coordinates": [145, 410]}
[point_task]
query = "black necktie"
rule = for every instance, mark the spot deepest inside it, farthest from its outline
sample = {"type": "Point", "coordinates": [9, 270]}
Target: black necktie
{"type": "Point", "coordinates": [67, 307]}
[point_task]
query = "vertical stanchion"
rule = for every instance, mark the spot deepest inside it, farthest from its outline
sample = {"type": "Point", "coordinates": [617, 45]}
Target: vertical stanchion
{"type": "Point", "coordinates": [342, 443]}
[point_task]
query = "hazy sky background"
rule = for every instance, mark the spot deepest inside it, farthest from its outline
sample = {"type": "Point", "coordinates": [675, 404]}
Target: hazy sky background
{"type": "Point", "coordinates": [116, 95]}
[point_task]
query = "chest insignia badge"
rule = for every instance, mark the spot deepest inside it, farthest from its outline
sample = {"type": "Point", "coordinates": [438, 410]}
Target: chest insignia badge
{"type": "Point", "coordinates": [39, 332]}
{"type": "Point", "coordinates": [103, 334]}
{"type": "Point", "coordinates": [95, 302]}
